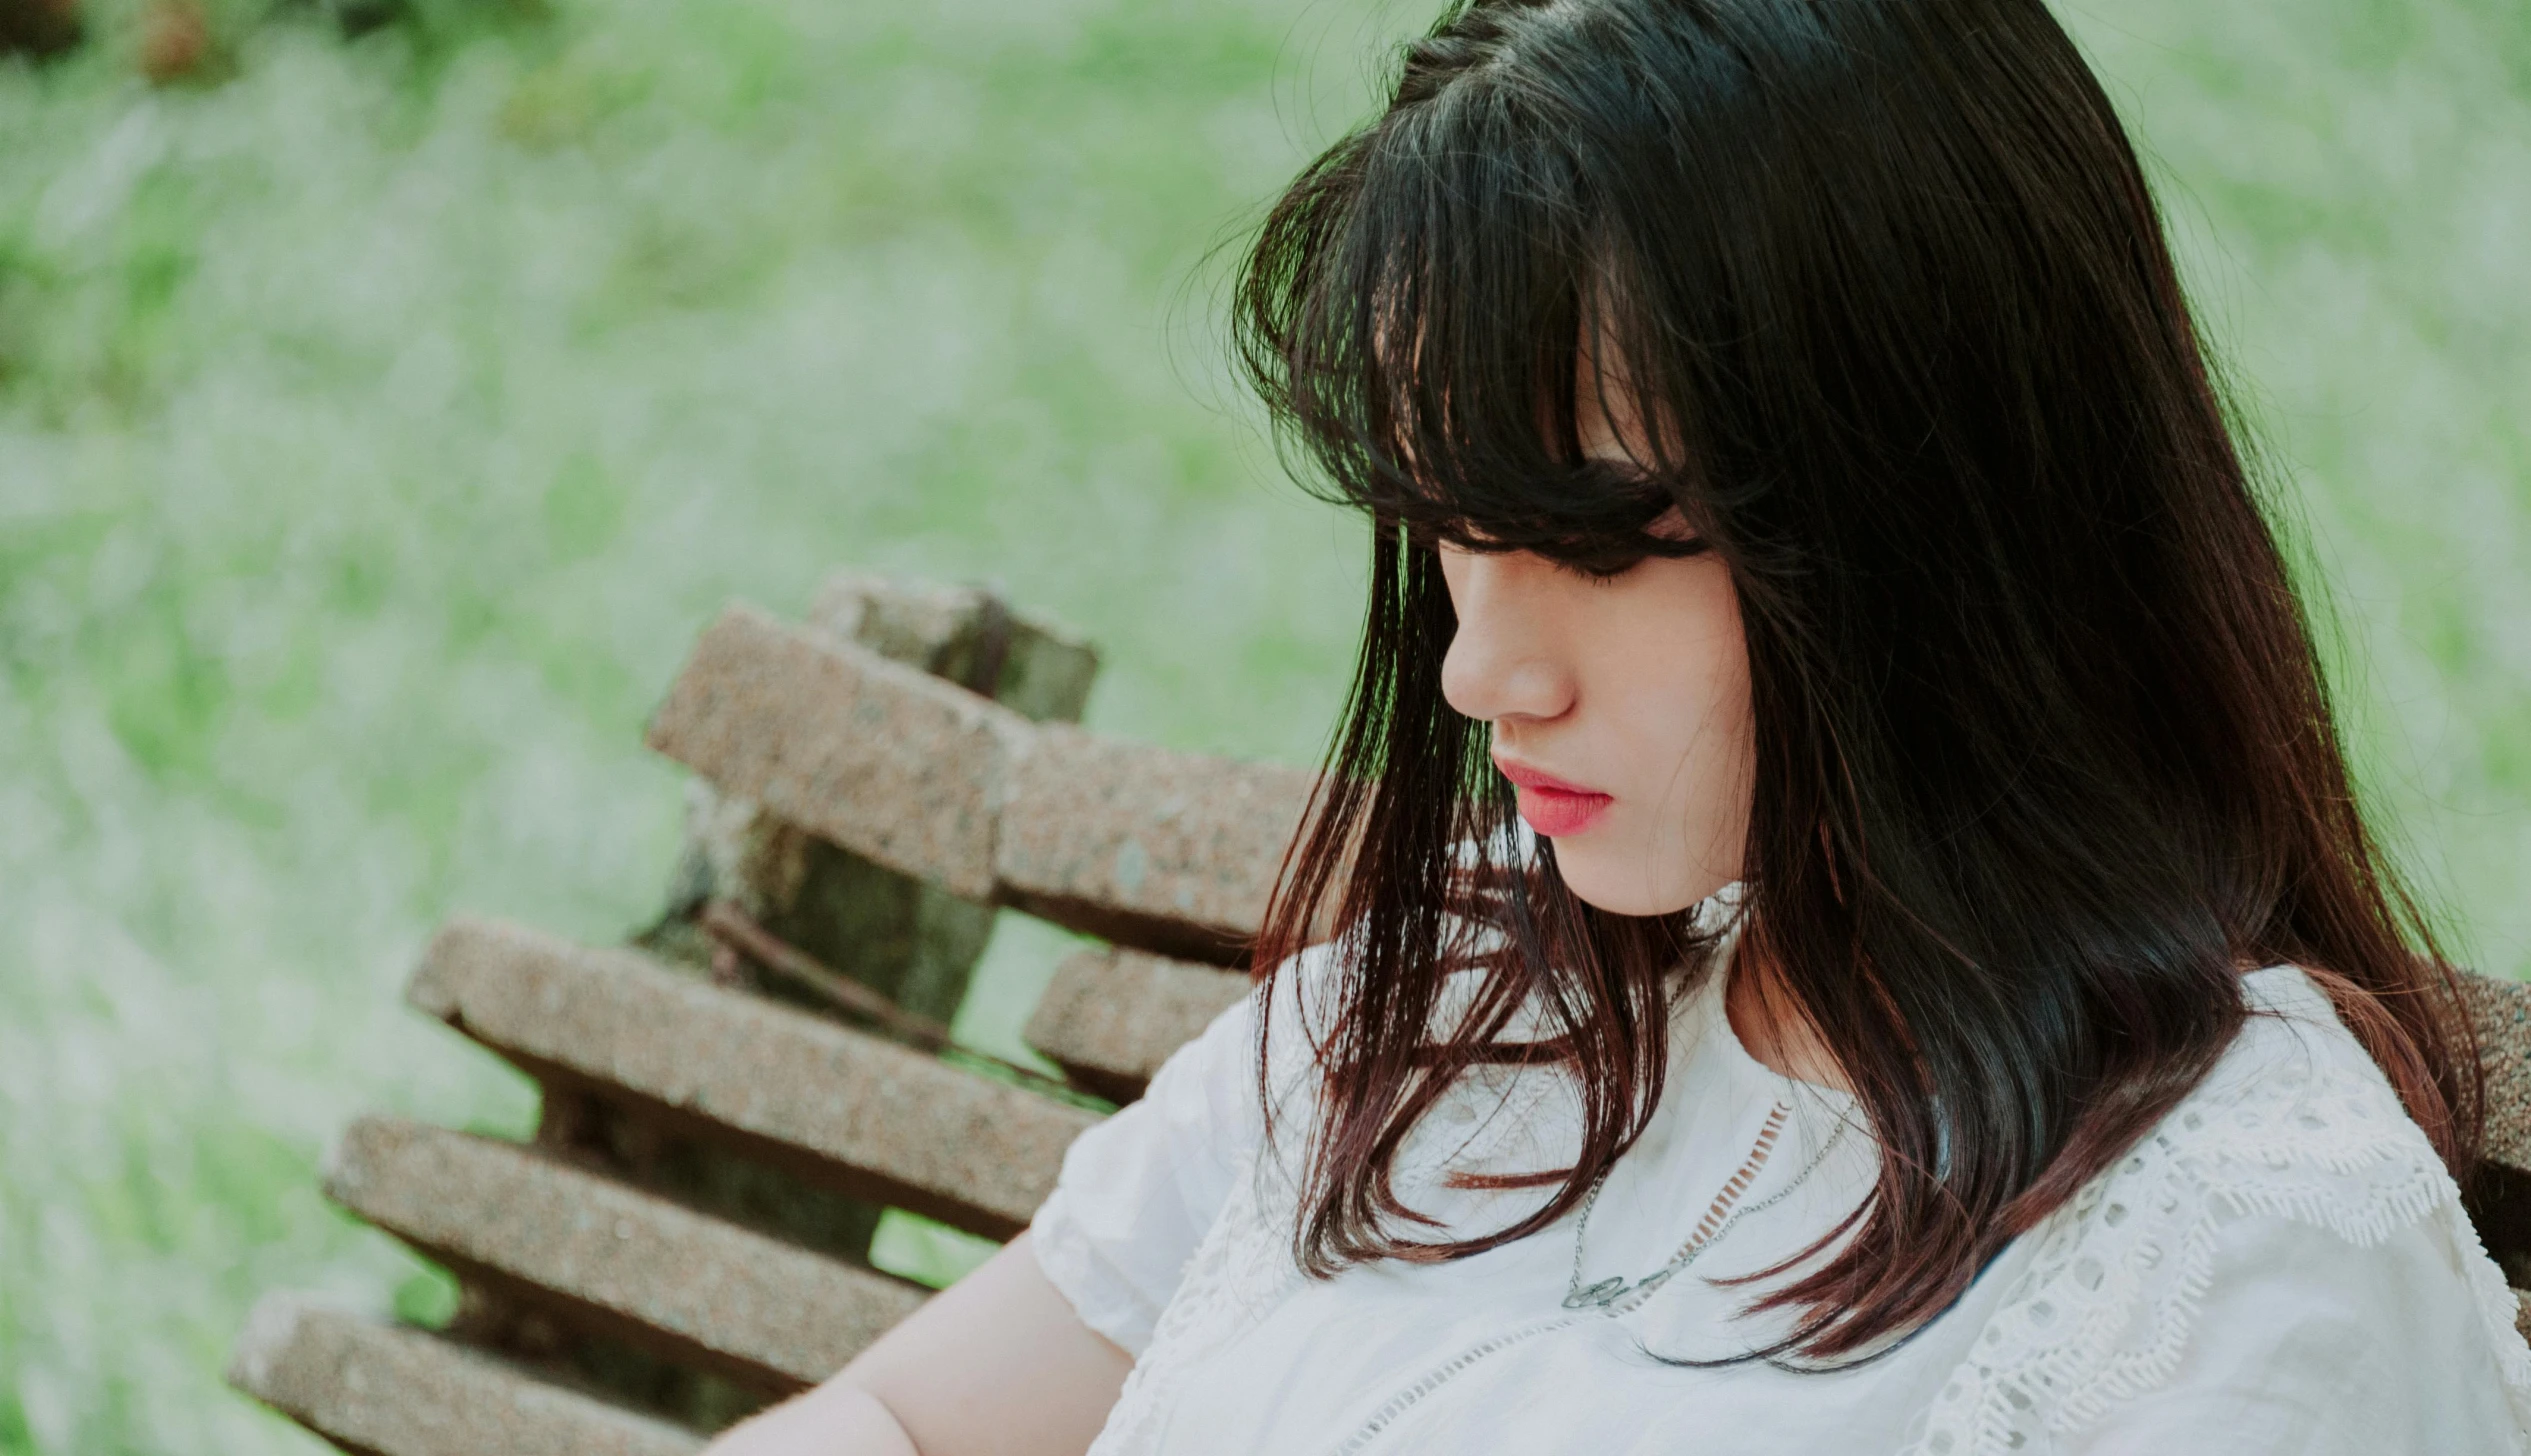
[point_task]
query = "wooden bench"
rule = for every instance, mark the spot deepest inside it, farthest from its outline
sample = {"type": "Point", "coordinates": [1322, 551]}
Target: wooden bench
{"type": "Point", "coordinates": [729, 1102]}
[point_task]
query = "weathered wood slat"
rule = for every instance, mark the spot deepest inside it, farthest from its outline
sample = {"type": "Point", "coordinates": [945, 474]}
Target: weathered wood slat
{"type": "Point", "coordinates": [693, 1288]}
{"type": "Point", "coordinates": [1111, 1017]}
{"type": "Point", "coordinates": [965, 634]}
{"type": "Point", "coordinates": [392, 1391]}
{"type": "Point", "coordinates": [836, 1106]}
{"type": "Point", "coordinates": [1167, 851]}
{"type": "Point", "coordinates": [2500, 1013]}
{"type": "Point", "coordinates": [877, 756]}
{"type": "Point", "coordinates": [1173, 852]}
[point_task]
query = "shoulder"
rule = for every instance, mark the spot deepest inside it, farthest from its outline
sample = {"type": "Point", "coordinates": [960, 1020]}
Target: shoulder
{"type": "Point", "coordinates": [2294, 1134]}
{"type": "Point", "coordinates": [2296, 1120]}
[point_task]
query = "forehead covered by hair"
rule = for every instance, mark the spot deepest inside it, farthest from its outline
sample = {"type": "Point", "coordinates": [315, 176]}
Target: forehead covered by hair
{"type": "Point", "coordinates": [1442, 316]}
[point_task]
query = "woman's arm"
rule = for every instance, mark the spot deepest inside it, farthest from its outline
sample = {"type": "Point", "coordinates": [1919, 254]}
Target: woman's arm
{"type": "Point", "coordinates": [995, 1365]}
{"type": "Point", "coordinates": [1002, 1363]}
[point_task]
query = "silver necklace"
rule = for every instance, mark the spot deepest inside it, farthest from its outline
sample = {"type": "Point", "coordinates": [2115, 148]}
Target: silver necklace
{"type": "Point", "coordinates": [1609, 1296]}
{"type": "Point", "coordinates": [1725, 1211]}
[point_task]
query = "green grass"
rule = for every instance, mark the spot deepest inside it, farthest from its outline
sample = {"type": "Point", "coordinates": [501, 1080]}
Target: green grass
{"type": "Point", "coordinates": [378, 424]}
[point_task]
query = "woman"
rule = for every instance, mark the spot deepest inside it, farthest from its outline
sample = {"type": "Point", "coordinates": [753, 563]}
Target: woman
{"type": "Point", "coordinates": [1857, 937]}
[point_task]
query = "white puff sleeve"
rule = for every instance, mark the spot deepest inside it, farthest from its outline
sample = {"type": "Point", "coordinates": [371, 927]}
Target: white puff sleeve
{"type": "Point", "coordinates": [1138, 1192]}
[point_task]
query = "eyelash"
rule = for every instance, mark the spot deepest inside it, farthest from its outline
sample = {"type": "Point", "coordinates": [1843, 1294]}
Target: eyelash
{"type": "Point", "coordinates": [1428, 540]}
{"type": "Point", "coordinates": [1596, 577]}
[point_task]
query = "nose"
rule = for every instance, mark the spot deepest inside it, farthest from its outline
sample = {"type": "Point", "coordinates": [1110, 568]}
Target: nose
{"type": "Point", "coordinates": [1502, 664]}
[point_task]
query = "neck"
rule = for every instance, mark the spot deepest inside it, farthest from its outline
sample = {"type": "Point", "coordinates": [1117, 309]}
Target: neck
{"type": "Point", "coordinates": [1769, 1022]}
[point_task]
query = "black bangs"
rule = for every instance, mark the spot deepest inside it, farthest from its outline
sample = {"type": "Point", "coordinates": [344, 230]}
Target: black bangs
{"type": "Point", "coordinates": [1423, 313]}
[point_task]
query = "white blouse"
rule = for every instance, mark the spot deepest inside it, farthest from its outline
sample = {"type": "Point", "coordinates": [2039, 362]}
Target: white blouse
{"type": "Point", "coordinates": [2282, 1266]}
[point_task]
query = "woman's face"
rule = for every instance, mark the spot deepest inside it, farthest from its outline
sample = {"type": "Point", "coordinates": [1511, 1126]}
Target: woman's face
{"type": "Point", "coordinates": [1620, 708]}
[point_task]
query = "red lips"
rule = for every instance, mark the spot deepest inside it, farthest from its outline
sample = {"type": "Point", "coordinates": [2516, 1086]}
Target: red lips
{"type": "Point", "coordinates": [1553, 807]}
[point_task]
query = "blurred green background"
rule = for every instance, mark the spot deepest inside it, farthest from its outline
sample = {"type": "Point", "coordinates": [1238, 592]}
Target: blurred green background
{"type": "Point", "coordinates": [381, 414]}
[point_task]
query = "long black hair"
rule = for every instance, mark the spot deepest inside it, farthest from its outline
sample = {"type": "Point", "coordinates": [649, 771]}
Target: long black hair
{"type": "Point", "coordinates": [2044, 756]}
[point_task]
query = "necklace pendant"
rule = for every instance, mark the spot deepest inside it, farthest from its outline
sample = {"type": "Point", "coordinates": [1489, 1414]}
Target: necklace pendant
{"type": "Point", "coordinates": [1596, 1296]}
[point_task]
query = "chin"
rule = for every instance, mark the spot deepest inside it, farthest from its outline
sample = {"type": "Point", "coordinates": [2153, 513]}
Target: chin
{"type": "Point", "coordinates": [1617, 884]}
{"type": "Point", "coordinates": [1620, 889]}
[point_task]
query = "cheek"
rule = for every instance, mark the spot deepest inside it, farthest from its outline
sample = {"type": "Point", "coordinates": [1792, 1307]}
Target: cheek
{"type": "Point", "coordinates": [1675, 681]}
{"type": "Point", "coordinates": [1695, 714]}
{"type": "Point", "coordinates": [1678, 669]}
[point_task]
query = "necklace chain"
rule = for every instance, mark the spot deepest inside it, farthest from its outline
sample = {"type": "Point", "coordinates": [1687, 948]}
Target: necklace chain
{"type": "Point", "coordinates": [1720, 1216]}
